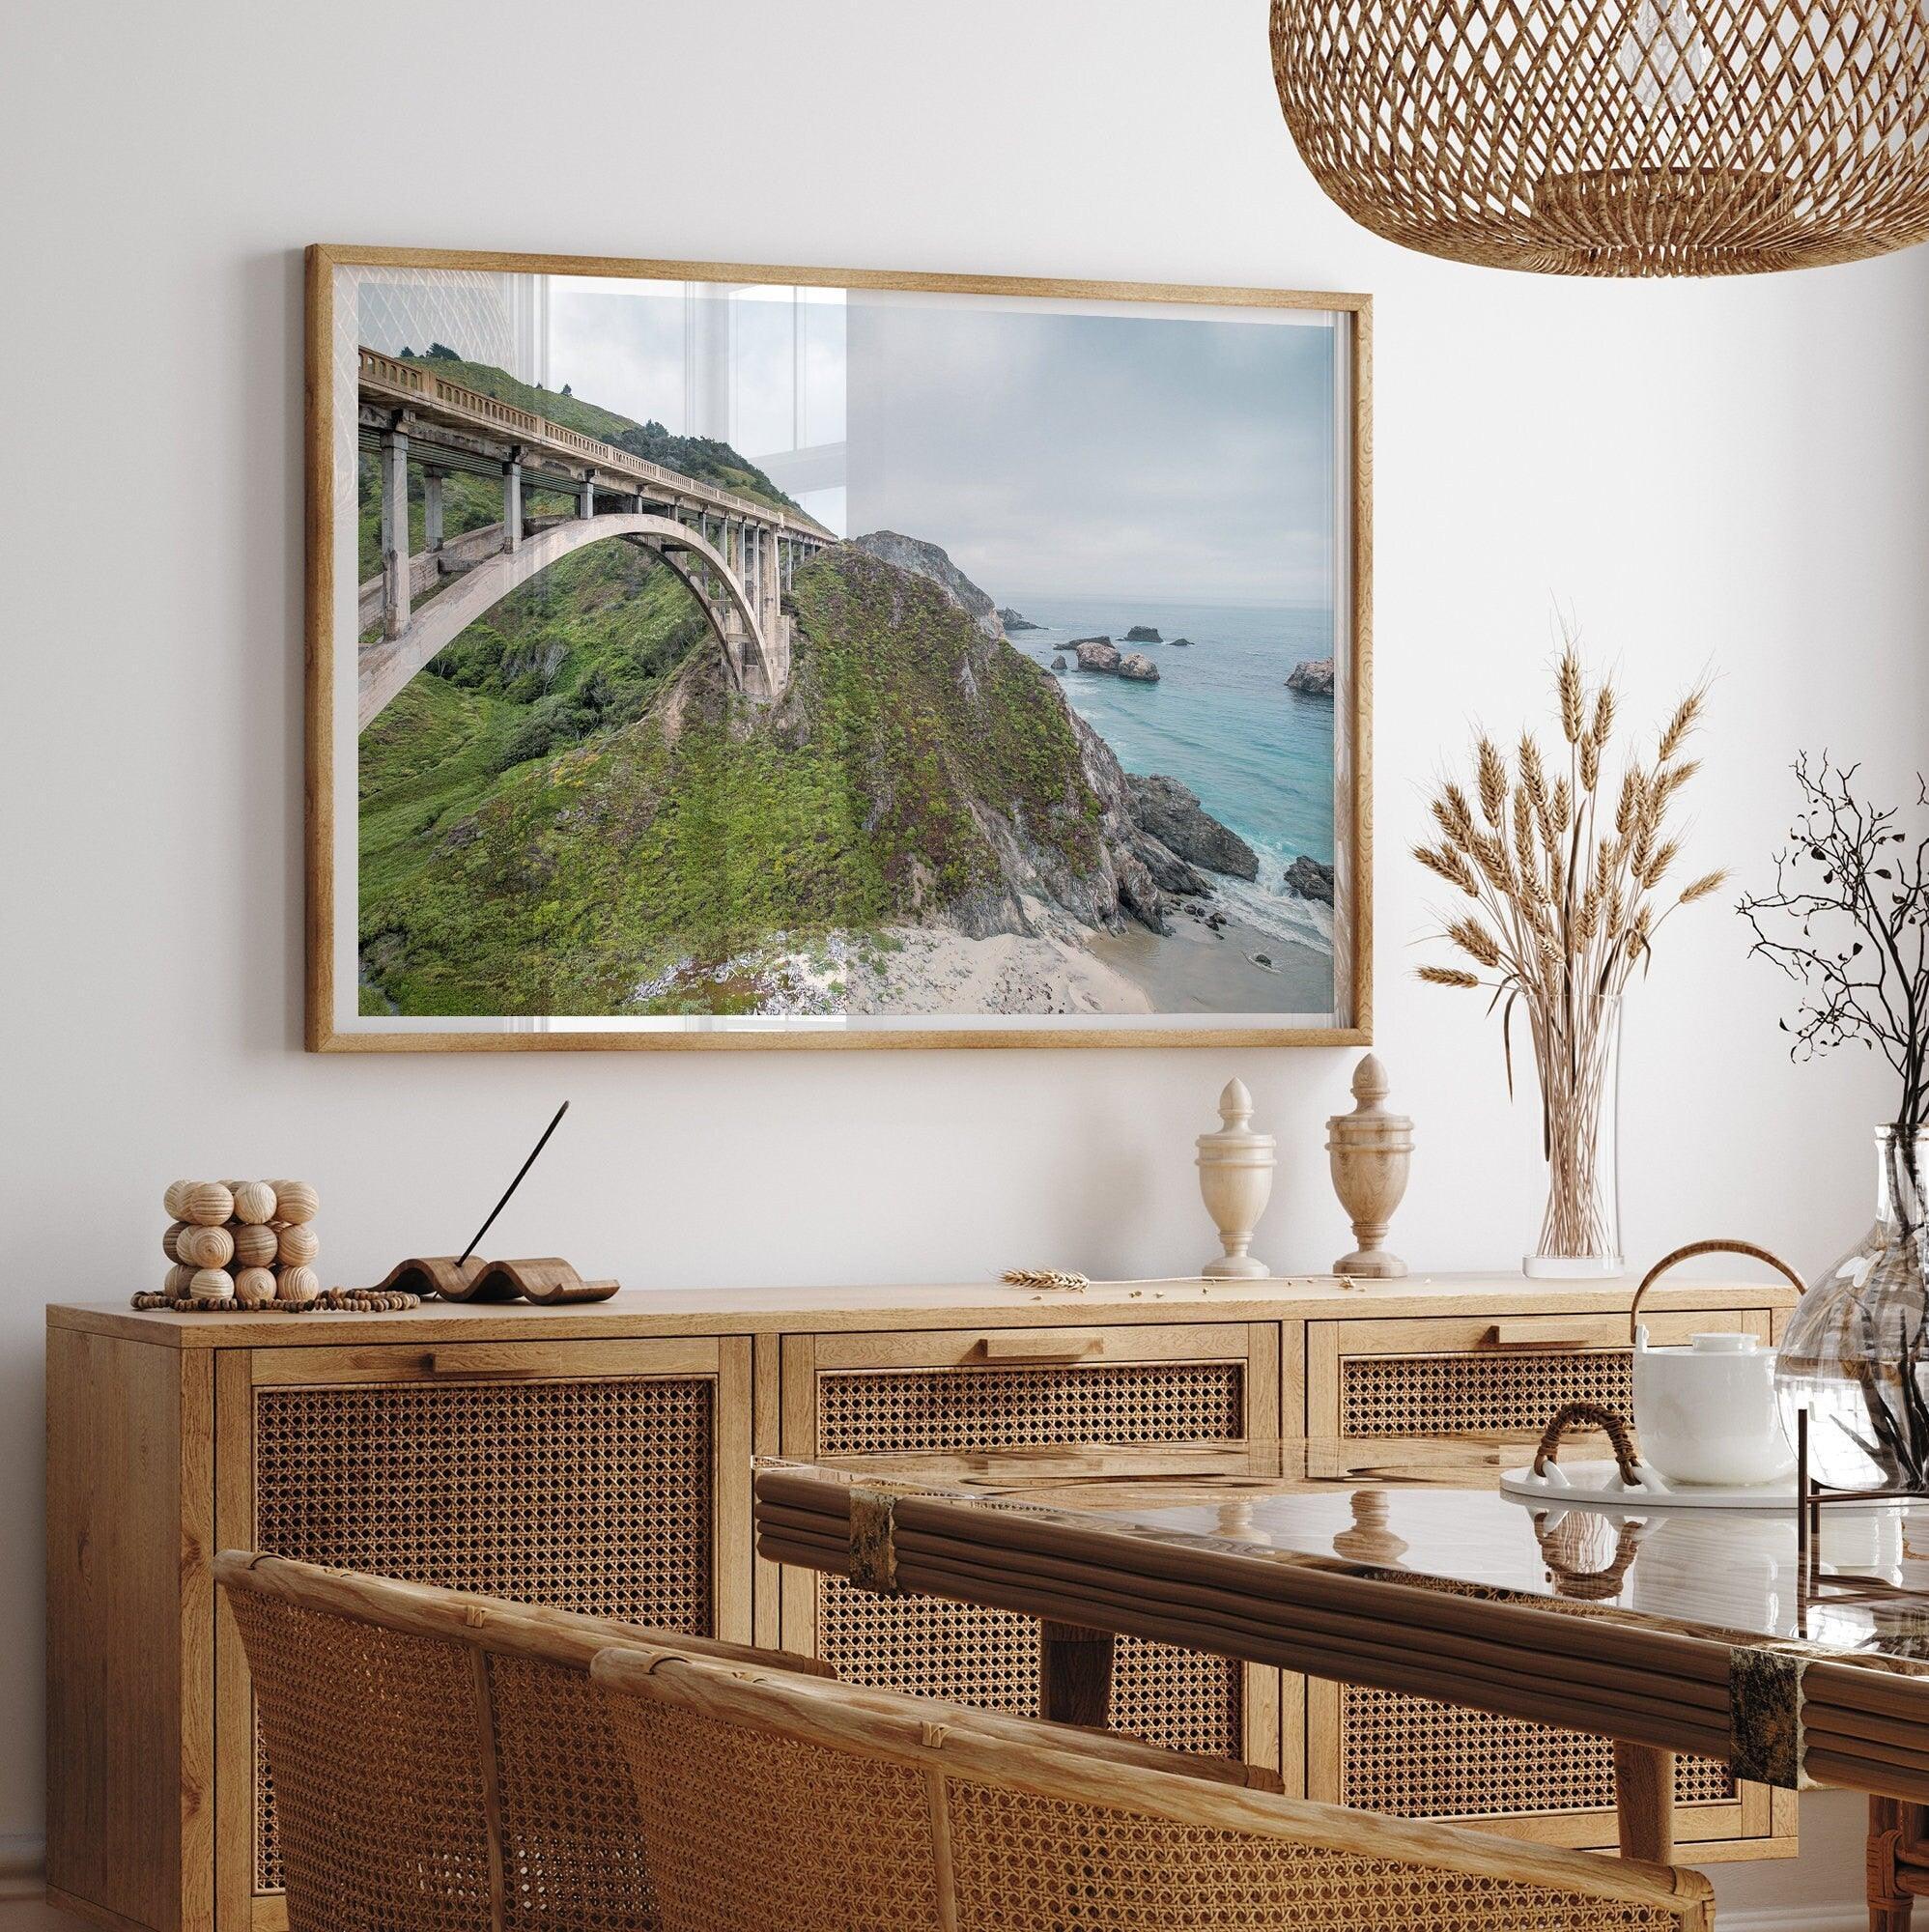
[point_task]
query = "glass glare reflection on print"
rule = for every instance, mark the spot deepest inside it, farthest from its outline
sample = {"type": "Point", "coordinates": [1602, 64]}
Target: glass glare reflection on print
{"type": "Point", "coordinates": [835, 661]}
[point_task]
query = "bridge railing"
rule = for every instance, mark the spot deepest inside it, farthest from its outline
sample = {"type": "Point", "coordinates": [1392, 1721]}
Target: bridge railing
{"type": "Point", "coordinates": [389, 372]}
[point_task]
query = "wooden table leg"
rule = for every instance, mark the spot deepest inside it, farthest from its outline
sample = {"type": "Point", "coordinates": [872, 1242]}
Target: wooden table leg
{"type": "Point", "coordinates": [1644, 1802]}
{"type": "Point", "coordinates": [1075, 1674]}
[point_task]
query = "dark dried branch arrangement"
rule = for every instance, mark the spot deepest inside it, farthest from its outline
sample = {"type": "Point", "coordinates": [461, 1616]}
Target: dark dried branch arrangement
{"type": "Point", "coordinates": [1898, 1413]}
{"type": "Point", "coordinates": [1566, 872]}
{"type": "Point", "coordinates": [1848, 920]}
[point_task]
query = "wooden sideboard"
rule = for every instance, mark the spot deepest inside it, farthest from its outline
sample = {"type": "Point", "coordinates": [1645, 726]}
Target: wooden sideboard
{"type": "Point", "coordinates": [599, 1458]}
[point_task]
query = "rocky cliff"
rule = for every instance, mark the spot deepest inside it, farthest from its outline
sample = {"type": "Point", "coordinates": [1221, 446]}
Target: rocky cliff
{"type": "Point", "coordinates": [568, 820]}
{"type": "Point", "coordinates": [928, 559]}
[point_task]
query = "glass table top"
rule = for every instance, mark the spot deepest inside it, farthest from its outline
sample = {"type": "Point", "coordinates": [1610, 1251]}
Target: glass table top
{"type": "Point", "coordinates": [1431, 1510]}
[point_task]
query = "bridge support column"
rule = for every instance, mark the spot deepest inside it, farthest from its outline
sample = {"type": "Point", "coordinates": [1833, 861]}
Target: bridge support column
{"type": "Point", "coordinates": [512, 506]}
{"type": "Point", "coordinates": [394, 532]}
{"type": "Point", "coordinates": [585, 500]}
{"type": "Point", "coordinates": [431, 509]}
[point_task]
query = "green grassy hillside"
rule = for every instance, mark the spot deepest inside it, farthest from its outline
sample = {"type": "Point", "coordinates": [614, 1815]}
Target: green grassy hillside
{"type": "Point", "coordinates": [572, 813]}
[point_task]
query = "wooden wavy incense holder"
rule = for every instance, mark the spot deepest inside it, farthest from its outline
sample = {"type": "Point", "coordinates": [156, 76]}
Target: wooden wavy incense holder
{"type": "Point", "coordinates": [544, 1279]}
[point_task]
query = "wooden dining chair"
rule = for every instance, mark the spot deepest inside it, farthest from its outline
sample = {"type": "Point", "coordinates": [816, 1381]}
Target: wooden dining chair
{"type": "Point", "coordinates": [771, 1801]}
{"type": "Point", "coordinates": [440, 1760]}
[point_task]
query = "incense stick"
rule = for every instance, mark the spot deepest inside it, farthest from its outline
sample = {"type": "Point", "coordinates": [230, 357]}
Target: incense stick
{"type": "Point", "coordinates": [475, 1240]}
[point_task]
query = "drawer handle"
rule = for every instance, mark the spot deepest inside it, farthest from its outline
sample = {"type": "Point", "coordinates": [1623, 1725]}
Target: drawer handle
{"type": "Point", "coordinates": [436, 1363]}
{"type": "Point", "coordinates": [1526, 1335]}
{"type": "Point", "coordinates": [1041, 1349]}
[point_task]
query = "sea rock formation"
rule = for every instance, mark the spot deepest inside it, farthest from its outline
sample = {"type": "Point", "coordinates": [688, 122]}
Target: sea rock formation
{"type": "Point", "coordinates": [1180, 643]}
{"type": "Point", "coordinates": [1314, 678]}
{"type": "Point", "coordinates": [1171, 812]}
{"type": "Point", "coordinates": [1059, 661]}
{"type": "Point", "coordinates": [1310, 879]}
{"type": "Point", "coordinates": [1142, 633]}
{"type": "Point", "coordinates": [1013, 621]}
{"type": "Point", "coordinates": [1101, 654]}
{"type": "Point", "coordinates": [930, 560]}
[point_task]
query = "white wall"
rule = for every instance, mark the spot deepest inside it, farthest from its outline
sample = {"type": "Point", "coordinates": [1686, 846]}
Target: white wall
{"type": "Point", "coordinates": [1711, 475]}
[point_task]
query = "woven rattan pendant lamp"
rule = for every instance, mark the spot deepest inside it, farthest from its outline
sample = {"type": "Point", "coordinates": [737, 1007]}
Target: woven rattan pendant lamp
{"type": "Point", "coordinates": [1616, 137]}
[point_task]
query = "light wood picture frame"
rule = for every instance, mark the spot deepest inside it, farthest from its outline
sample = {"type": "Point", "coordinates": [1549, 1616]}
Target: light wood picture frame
{"type": "Point", "coordinates": [740, 781]}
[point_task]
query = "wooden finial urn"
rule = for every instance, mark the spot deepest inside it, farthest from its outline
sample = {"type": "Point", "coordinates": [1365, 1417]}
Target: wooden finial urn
{"type": "Point", "coordinates": [1370, 1151]}
{"type": "Point", "coordinates": [1235, 1177]}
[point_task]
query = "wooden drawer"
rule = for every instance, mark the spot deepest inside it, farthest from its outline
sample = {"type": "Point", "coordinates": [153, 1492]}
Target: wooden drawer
{"type": "Point", "coordinates": [1476, 1374]}
{"type": "Point", "coordinates": [604, 1477]}
{"type": "Point", "coordinates": [1385, 1751]}
{"type": "Point", "coordinates": [985, 1388]}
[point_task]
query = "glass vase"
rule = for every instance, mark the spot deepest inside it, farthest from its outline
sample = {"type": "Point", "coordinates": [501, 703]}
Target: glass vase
{"type": "Point", "coordinates": [1578, 1058]}
{"type": "Point", "coordinates": [1854, 1355]}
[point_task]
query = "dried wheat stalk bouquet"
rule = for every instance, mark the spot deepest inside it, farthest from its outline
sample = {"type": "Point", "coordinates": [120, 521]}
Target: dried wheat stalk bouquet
{"type": "Point", "coordinates": [1566, 874]}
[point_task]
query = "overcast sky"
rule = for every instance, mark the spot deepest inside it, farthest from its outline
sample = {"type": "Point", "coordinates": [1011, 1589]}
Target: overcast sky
{"type": "Point", "coordinates": [1051, 452]}
{"type": "Point", "coordinates": [1080, 454]}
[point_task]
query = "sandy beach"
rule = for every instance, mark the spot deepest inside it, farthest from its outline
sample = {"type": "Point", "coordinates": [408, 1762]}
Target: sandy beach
{"type": "Point", "coordinates": [1197, 970]}
{"type": "Point", "coordinates": [922, 972]}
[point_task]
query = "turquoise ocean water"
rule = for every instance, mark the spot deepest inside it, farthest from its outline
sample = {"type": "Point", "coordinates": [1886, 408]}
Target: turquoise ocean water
{"type": "Point", "coordinates": [1222, 721]}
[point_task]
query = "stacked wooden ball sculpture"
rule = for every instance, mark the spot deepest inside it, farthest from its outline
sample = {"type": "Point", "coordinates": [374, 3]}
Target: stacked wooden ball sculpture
{"type": "Point", "coordinates": [239, 1244]}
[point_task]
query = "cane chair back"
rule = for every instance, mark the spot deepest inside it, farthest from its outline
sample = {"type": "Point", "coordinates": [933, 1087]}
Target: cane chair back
{"type": "Point", "coordinates": [771, 1801]}
{"type": "Point", "coordinates": [442, 1762]}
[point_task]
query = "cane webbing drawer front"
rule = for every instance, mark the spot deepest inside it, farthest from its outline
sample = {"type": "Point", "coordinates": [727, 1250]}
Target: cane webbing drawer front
{"type": "Point", "coordinates": [1181, 1698]}
{"type": "Point", "coordinates": [1492, 1394]}
{"type": "Point", "coordinates": [1412, 1759]}
{"type": "Point", "coordinates": [1410, 1756]}
{"type": "Point", "coordinates": [1475, 1377]}
{"type": "Point", "coordinates": [984, 1409]}
{"type": "Point", "coordinates": [589, 1493]}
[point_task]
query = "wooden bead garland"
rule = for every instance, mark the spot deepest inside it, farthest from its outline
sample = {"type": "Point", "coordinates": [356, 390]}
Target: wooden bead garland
{"type": "Point", "coordinates": [250, 1245]}
{"type": "Point", "coordinates": [356, 1300]}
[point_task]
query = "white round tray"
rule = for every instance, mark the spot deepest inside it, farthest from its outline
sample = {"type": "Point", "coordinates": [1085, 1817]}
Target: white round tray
{"type": "Point", "coordinates": [1598, 1485]}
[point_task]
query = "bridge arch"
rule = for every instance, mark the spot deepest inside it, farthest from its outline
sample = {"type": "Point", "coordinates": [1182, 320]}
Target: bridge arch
{"type": "Point", "coordinates": [386, 666]}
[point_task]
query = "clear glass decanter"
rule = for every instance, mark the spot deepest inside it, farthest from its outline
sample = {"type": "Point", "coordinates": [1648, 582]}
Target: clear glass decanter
{"type": "Point", "coordinates": [1855, 1356]}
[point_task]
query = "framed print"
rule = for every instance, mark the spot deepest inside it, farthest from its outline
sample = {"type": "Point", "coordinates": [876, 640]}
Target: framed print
{"type": "Point", "coordinates": [714, 656]}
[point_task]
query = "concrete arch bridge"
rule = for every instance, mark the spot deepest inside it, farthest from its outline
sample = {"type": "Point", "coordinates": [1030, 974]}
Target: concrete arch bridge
{"type": "Point", "coordinates": [735, 554]}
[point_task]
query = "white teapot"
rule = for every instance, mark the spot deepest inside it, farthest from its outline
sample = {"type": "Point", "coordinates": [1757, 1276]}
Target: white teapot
{"type": "Point", "coordinates": [1707, 1413]}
